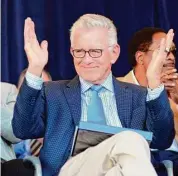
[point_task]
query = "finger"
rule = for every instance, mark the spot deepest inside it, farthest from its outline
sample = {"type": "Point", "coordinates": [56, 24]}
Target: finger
{"type": "Point", "coordinates": [161, 53]}
{"type": "Point", "coordinates": [155, 54]}
{"type": "Point", "coordinates": [169, 84]}
{"type": "Point", "coordinates": [26, 30]}
{"type": "Point", "coordinates": [169, 38]}
{"type": "Point", "coordinates": [27, 34]}
{"type": "Point", "coordinates": [168, 72]}
{"type": "Point", "coordinates": [44, 45]}
{"type": "Point", "coordinates": [172, 77]}
{"type": "Point", "coordinates": [32, 31]}
{"type": "Point", "coordinates": [169, 79]}
{"type": "Point", "coordinates": [33, 39]}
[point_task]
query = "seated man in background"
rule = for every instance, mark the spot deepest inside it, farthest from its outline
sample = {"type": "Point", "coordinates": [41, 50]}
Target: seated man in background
{"type": "Point", "coordinates": [53, 110]}
{"type": "Point", "coordinates": [8, 99]}
{"type": "Point", "coordinates": [9, 164]}
{"type": "Point", "coordinates": [30, 147]}
{"type": "Point", "coordinates": [141, 48]}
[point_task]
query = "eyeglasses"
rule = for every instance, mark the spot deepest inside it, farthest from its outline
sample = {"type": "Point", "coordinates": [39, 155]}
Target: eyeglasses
{"type": "Point", "coordinates": [173, 50]}
{"type": "Point", "coordinates": [80, 53]}
{"type": "Point", "coordinates": [94, 53]}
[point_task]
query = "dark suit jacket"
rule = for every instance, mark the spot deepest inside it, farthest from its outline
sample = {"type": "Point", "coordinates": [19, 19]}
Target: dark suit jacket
{"type": "Point", "coordinates": [54, 112]}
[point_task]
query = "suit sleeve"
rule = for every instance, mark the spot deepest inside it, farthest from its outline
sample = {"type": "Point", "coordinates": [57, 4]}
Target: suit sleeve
{"type": "Point", "coordinates": [160, 122]}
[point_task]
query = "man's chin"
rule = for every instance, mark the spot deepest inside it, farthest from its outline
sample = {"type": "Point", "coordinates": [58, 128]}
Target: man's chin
{"type": "Point", "coordinates": [91, 79]}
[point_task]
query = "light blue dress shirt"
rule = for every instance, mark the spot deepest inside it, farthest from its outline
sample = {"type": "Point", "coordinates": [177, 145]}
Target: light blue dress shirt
{"type": "Point", "coordinates": [107, 97]}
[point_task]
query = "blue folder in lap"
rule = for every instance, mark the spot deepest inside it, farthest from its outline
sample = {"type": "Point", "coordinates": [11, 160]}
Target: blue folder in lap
{"type": "Point", "coordinates": [90, 134]}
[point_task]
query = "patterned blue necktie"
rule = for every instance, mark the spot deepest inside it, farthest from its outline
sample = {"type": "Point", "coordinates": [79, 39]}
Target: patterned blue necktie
{"type": "Point", "coordinates": [95, 112]}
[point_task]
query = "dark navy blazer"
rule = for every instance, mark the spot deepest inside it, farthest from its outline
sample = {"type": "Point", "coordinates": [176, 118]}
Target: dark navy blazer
{"type": "Point", "coordinates": [54, 111]}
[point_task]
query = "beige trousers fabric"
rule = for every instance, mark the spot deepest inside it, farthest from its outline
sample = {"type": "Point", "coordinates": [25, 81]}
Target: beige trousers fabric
{"type": "Point", "coordinates": [124, 154]}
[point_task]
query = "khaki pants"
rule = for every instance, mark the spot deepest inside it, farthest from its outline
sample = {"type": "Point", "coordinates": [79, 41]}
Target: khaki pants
{"type": "Point", "coordinates": [124, 154]}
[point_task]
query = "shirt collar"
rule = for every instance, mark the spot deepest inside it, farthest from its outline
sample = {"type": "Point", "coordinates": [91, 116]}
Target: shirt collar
{"type": "Point", "coordinates": [107, 84]}
{"type": "Point", "coordinates": [134, 78]}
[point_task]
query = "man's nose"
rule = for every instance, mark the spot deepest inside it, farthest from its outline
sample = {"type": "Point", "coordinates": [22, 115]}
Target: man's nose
{"type": "Point", "coordinates": [171, 57]}
{"type": "Point", "coordinates": [87, 58]}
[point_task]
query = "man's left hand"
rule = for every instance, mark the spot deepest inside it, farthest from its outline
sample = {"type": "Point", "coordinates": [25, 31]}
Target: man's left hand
{"type": "Point", "coordinates": [155, 68]}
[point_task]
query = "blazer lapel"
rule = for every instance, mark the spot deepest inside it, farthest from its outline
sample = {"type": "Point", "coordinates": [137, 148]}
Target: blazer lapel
{"type": "Point", "coordinates": [73, 95]}
{"type": "Point", "coordinates": [123, 97]}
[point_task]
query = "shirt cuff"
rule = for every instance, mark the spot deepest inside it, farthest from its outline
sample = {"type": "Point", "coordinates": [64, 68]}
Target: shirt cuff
{"type": "Point", "coordinates": [34, 81]}
{"type": "Point", "coordinates": [154, 93]}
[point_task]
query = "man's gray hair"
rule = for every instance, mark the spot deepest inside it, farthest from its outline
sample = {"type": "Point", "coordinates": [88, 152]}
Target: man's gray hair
{"type": "Point", "coordinates": [93, 20]}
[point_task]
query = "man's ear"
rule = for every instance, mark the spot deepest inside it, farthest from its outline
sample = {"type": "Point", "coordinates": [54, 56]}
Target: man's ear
{"type": "Point", "coordinates": [139, 56]}
{"type": "Point", "coordinates": [115, 51]}
{"type": "Point", "coordinates": [71, 51]}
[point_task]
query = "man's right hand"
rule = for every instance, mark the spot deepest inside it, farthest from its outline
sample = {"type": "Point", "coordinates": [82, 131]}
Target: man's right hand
{"type": "Point", "coordinates": [37, 54]}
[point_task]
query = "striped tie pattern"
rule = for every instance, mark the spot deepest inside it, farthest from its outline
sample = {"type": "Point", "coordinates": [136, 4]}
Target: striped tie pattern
{"type": "Point", "coordinates": [35, 147]}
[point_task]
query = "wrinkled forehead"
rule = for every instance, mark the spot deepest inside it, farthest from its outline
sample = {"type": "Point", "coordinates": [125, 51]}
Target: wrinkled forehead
{"type": "Point", "coordinates": [156, 40]}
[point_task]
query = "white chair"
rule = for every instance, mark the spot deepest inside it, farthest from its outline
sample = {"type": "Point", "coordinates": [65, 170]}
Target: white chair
{"type": "Point", "coordinates": [36, 163]}
{"type": "Point", "coordinates": [169, 167]}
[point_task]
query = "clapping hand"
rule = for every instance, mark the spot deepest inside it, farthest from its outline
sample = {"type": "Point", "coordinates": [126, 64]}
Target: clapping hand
{"type": "Point", "coordinates": [154, 71]}
{"type": "Point", "coordinates": [37, 53]}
